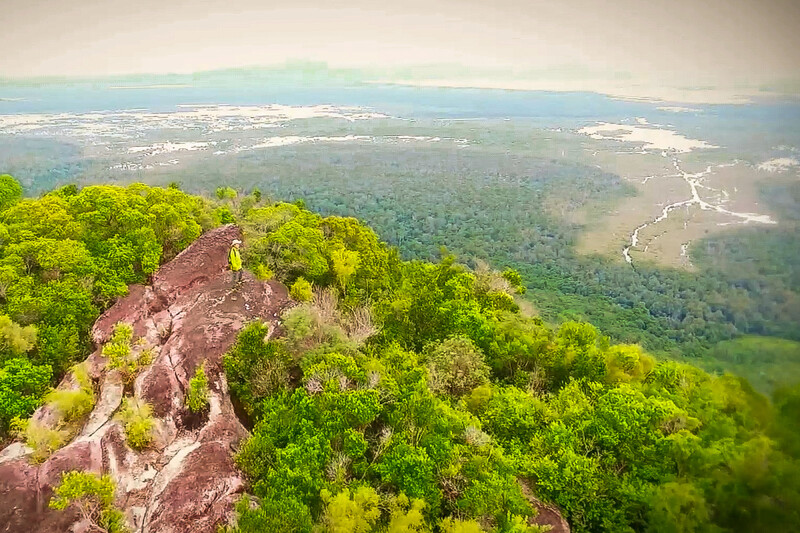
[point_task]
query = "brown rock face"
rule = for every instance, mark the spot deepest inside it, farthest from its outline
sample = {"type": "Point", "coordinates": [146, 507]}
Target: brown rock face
{"type": "Point", "coordinates": [186, 481]}
{"type": "Point", "coordinates": [546, 514]}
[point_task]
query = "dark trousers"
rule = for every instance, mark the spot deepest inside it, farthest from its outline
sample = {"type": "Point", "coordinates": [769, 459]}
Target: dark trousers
{"type": "Point", "coordinates": [236, 276]}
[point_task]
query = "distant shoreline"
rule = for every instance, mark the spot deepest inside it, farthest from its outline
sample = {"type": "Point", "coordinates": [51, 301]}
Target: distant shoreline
{"type": "Point", "coordinates": [649, 94]}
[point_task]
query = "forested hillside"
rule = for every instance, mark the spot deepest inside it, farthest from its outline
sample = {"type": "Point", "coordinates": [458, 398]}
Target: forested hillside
{"type": "Point", "coordinates": [501, 206]}
{"type": "Point", "coordinates": [405, 396]}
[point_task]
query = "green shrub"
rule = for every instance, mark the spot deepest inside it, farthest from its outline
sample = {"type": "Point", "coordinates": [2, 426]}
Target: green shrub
{"type": "Point", "coordinates": [346, 515]}
{"type": "Point", "coordinates": [10, 191]}
{"type": "Point", "coordinates": [137, 418]}
{"type": "Point", "coordinates": [93, 496]}
{"type": "Point", "coordinates": [263, 272]}
{"type": "Point", "coordinates": [255, 368]}
{"type": "Point", "coordinates": [15, 340]}
{"type": "Point", "coordinates": [22, 387]}
{"type": "Point", "coordinates": [226, 193]}
{"type": "Point", "coordinates": [42, 439]}
{"type": "Point", "coordinates": [456, 366]}
{"type": "Point", "coordinates": [70, 407]}
{"type": "Point", "coordinates": [123, 355]}
{"type": "Point", "coordinates": [302, 290]}
{"type": "Point", "coordinates": [197, 397]}
{"type": "Point", "coordinates": [74, 404]}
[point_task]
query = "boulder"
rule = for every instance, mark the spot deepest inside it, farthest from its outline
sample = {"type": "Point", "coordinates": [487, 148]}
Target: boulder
{"type": "Point", "coordinates": [186, 480]}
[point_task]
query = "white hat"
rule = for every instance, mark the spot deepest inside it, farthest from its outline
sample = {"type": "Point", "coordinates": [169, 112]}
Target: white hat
{"type": "Point", "coordinates": [236, 241]}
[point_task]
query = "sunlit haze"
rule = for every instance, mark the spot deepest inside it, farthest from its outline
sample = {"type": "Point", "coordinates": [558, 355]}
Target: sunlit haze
{"type": "Point", "coordinates": [680, 42]}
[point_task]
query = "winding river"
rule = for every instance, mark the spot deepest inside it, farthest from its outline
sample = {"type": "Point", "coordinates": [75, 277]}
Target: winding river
{"type": "Point", "coordinates": [695, 182]}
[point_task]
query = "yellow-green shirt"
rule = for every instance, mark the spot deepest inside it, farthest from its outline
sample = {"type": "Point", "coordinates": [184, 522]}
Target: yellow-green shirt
{"type": "Point", "coordinates": [235, 259]}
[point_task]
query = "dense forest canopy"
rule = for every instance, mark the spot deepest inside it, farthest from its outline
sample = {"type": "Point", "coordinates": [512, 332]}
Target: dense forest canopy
{"type": "Point", "coordinates": [404, 395]}
{"type": "Point", "coordinates": [505, 207]}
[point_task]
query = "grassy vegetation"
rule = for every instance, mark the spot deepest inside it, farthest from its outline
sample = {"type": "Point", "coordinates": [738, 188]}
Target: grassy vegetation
{"type": "Point", "coordinates": [136, 417]}
{"type": "Point", "coordinates": [126, 357]}
{"type": "Point", "coordinates": [197, 396]}
{"type": "Point", "coordinates": [70, 407]}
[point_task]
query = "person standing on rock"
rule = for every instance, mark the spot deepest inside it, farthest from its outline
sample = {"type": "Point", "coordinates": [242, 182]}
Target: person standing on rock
{"type": "Point", "coordinates": [235, 261]}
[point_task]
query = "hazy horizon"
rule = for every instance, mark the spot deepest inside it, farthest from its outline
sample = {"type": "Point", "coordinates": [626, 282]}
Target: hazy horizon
{"type": "Point", "coordinates": [680, 43]}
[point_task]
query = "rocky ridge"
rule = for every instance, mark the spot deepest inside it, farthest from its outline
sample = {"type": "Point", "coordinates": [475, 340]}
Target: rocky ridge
{"type": "Point", "coordinates": [186, 480]}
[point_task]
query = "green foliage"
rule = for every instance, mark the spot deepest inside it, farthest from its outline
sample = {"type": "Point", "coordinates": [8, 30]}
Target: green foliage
{"type": "Point", "coordinates": [787, 411]}
{"type": "Point", "coordinates": [70, 406]}
{"type": "Point", "coordinates": [75, 403]}
{"type": "Point", "coordinates": [226, 193]}
{"type": "Point", "coordinates": [68, 254]}
{"type": "Point", "coordinates": [263, 272]}
{"type": "Point", "coordinates": [10, 191]}
{"type": "Point", "coordinates": [197, 396]}
{"type": "Point", "coordinates": [136, 417]}
{"type": "Point", "coordinates": [22, 387]}
{"type": "Point", "coordinates": [123, 355]}
{"type": "Point", "coordinates": [345, 262]}
{"type": "Point", "coordinates": [677, 508]}
{"type": "Point", "coordinates": [456, 366]}
{"type": "Point", "coordinates": [301, 290]}
{"type": "Point", "coordinates": [346, 514]}
{"type": "Point", "coordinates": [15, 340]}
{"type": "Point", "coordinates": [40, 438]}
{"type": "Point", "coordinates": [452, 525]}
{"type": "Point", "coordinates": [768, 363]}
{"type": "Point", "coordinates": [322, 325]}
{"type": "Point", "coordinates": [406, 516]}
{"type": "Point", "coordinates": [255, 367]}
{"type": "Point", "coordinates": [93, 496]}
{"type": "Point", "coordinates": [278, 512]}
{"type": "Point", "coordinates": [459, 398]}
{"type": "Point", "coordinates": [291, 242]}
{"type": "Point", "coordinates": [411, 396]}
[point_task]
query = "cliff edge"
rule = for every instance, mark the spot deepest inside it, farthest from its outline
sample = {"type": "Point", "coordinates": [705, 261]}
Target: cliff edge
{"type": "Point", "coordinates": [185, 480]}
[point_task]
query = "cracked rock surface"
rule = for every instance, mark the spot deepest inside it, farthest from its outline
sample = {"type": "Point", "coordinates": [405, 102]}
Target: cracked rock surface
{"type": "Point", "coordinates": [186, 480]}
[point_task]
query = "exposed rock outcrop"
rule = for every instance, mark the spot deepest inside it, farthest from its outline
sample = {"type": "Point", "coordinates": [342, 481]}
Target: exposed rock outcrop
{"type": "Point", "coordinates": [547, 514]}
{"type": "Point", "coordinates": [186, 481]}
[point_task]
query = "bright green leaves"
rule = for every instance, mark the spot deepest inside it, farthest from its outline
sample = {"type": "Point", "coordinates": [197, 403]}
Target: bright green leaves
{"type": "Point", "coordinates": [125, 356]}
{"type": "Point", "coordinates": [412, 471]}
{"type": "Point", "coordinates": [93, 496]}
{"type": "Point", "coordinates": [678, 508]}
{"type": "Point", "coordinates": [345, 262]}
{"type": "Point", "coordinates": [15, 340]}
{"type": "Point", "coordinates": [197, 395]}
{"type": "Point", "coordinates": [288, 241]}
{"type": "Point", "coordinates": [69, 253]}
{"type": "Point", "coordinates": [255, 367]}
{"type": "Point", "coordinates": [346, 513]}
{"type": "Point", "coordinates": [433, 303]}
{"type": "Point", "coordinates": [136, 417]}
{"type": "Point", "coordinates": [301, 290]}
{"type": "Point", "coordinates": [70, 405]}
{"type": "Point", "coordinates": [22, 386]}
{"type": "Point", "coordinates": [291, 243]}
{"type": "Point", "coordinates": [48, 217]}
{"type": "Point", "coordinates": [84, 489]}
{"type": "Point", "coordinates": [226, 193]}
{"type": "Point", "coordinates": [10, 191]}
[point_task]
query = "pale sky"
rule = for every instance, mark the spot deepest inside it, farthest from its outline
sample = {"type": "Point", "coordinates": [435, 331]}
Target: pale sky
{"type": "Point", "coordinates": [683, 41]}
